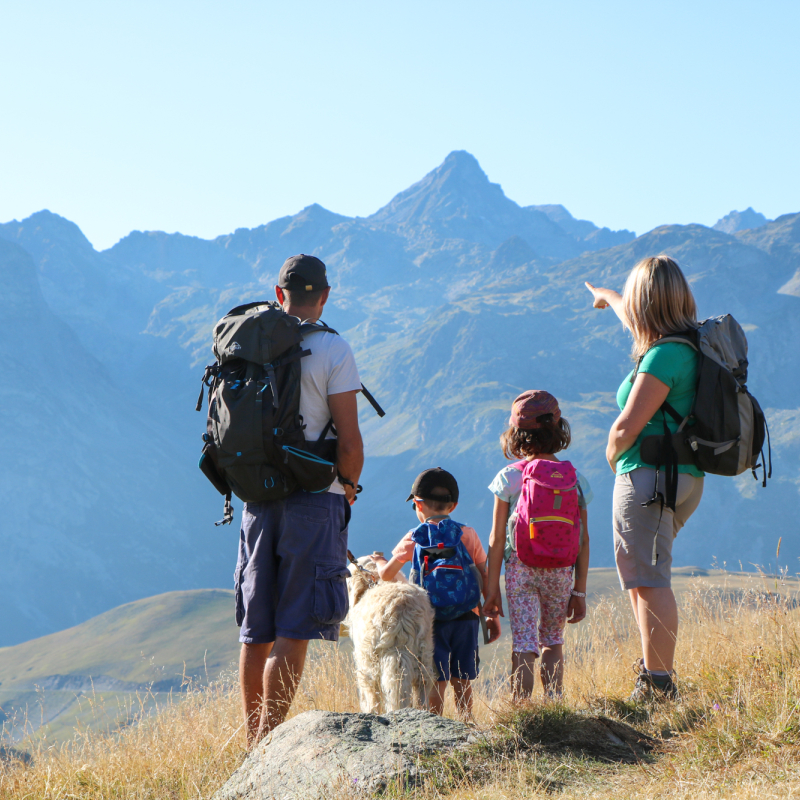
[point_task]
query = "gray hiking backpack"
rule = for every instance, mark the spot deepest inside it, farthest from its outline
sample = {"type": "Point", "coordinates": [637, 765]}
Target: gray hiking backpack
{"type": "Point", "coordinates": [254, 444]}
{"type": "Point", "coordinates": [725, 431]}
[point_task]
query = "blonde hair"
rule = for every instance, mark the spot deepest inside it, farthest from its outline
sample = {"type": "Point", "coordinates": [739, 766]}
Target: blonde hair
{"type": "Point", "coordinates": [657, 301]}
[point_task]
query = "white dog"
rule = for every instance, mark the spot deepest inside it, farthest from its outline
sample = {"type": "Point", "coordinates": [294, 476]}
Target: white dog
{"type": "Point", "coordinates": [391, 625]}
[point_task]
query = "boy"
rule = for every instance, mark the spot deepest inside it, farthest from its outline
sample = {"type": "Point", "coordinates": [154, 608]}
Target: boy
{"type": "Point", "coordinates": [435, 494]}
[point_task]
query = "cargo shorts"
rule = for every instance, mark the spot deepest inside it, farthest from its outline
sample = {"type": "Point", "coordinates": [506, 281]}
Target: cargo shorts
{"type": "Point", "coordinates": [643, 533]}
{"type": "Point", "coordinates": [290, 578]}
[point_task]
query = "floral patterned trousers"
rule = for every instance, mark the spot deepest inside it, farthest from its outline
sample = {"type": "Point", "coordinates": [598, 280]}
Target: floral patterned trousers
{"type": "Point", "coordinates": [537, 604]}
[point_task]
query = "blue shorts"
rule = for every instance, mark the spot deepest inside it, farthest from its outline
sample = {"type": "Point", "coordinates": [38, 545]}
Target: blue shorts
{"type": "Point", "coordinates": [455, 649]}
{"type": "Point", "coordinates": [290, 578]}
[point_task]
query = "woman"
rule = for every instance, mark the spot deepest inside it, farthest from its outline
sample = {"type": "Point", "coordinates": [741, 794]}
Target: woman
{"type": "Point", "coordinates": [655, 303]}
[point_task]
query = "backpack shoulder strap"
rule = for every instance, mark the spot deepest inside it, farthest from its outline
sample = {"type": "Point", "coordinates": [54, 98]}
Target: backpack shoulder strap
{"type": "Point", "coordinates": [684, 337]}
{"type": "Point", "coordinates": [322, 327]}
{"type": "Point", "coordinates": [247, 306]}
{"type": "Point", "coordinates": [316, 327]}
{"type": "Point", "coordinates": [689, 338]}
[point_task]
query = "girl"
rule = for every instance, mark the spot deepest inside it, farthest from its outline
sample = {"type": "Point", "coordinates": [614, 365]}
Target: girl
{"type": "Point", "coordinates": [540, 599]}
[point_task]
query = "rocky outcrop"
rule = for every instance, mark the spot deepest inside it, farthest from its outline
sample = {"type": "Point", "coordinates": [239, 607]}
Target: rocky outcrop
{"type": "Point", "coordinates": [320, 752]}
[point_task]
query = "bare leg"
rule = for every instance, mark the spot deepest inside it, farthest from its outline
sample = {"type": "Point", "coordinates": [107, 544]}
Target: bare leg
{"type": "Point", "coordinates": [523, 667]}
{"type": "Point", "coordinates": [252, 660]}
{"type": "Point", "coordinates": [462, 688]}
{"type": "Point", "coordinates": [369, 698]}
{"type": "Point", "coordinates": [658, 626]}
{"type": "Point", "coordinates": [633, 594]}
{"type": "Point", "coordinates": [436, 699]}
{"type": "Point", "coordinates": [552, 669]}
{"type": "Point", "coordinates": [281, 678]}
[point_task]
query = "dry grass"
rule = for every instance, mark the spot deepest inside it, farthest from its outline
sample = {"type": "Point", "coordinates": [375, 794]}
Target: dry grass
{"type": "Point", "coordinates": [735, 734]}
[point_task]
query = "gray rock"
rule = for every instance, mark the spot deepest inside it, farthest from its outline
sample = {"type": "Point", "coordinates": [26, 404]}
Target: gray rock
{"type": "Point", "coordinates": [318, 753]}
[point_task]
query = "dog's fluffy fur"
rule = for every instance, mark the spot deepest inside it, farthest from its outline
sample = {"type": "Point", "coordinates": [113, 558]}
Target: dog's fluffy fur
{"type": "Point", "coordinates": [391, 625]}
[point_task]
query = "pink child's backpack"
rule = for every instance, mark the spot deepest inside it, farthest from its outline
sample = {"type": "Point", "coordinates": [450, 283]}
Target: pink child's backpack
{"type": "Point", "coordinates": [548, 528]}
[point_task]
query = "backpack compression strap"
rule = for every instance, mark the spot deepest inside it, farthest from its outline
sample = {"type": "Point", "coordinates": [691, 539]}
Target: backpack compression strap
{"type": "Point", "coordinates": [227, 517]}
{"type": "Point", "coordinates": [669, 456]}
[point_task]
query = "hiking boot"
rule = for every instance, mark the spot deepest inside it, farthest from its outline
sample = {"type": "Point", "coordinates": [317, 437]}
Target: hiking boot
{"type": "Point", "coordinates": [642, 689]}
{"type": "Point", "coordinates": [653, 687]}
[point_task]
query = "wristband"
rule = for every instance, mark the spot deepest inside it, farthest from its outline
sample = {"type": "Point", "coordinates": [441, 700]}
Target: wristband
{"type": "Point", "coordinates": [578, 594]}
{"type": "Point", "coordinates": [350, 483]}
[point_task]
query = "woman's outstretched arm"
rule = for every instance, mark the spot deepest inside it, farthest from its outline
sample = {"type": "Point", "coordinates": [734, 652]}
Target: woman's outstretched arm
{"type": "Point", "coordinates": [603, 298]}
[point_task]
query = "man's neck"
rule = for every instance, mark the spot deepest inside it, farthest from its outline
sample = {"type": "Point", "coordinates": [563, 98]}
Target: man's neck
{"type": "Point", "coordinates": [305, 313]}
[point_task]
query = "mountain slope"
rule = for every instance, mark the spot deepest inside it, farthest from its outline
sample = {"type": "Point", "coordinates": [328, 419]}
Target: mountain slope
{"type": "Point", "coordinates": [781, 239]}
{"type": "Point", "coordinates": [97, 507]}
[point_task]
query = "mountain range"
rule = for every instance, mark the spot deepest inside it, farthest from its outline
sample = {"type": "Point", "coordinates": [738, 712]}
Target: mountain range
{"type": "Point", "coordinates": [454, 297]}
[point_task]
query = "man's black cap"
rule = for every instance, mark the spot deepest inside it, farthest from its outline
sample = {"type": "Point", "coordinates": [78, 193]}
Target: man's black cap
{"type": "Point", "coordinates": [303, 274]}
{"type": "Point", "coordinates": [435, 478]}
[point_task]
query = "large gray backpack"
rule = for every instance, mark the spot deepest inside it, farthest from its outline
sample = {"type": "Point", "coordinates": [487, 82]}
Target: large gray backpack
{"type": "Point", "coordinates": [724, 433]}
{"type": "Point", "coordinates": [254, 444]}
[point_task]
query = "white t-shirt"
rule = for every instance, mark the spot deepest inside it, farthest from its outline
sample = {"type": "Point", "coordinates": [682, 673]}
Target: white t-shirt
{"type": "Point", "coordinates": [330, 369]}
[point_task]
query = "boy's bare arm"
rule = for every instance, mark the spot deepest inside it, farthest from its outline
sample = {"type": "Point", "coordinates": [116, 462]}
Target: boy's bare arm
{"type": "Point", "coordinates": [387, 570]}
{"type": "Point", "coordinates": [484, 576]}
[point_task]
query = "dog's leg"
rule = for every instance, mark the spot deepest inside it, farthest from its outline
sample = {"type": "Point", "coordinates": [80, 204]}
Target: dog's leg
{"type": "Point", "coordinates": [369, 696]}
{"type": "Point", "coordinates": [427, 669]}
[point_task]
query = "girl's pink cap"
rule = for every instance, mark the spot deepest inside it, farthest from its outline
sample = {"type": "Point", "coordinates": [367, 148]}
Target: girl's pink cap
{"type": "Point", "coordinates": [530, 405]}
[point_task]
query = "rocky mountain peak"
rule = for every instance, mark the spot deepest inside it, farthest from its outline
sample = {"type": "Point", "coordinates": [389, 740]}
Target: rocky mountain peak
{"type": "Point", "coordinates": [740, 221]}
{"type": "Point", "coordinates": [457, 201]}
{"type": "Point", "coordinates": [45, 228]}
{"type": "Point", "coordinates": [457, 188]}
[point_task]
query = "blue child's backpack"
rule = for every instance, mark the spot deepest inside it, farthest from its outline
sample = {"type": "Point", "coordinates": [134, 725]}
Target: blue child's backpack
{"type": "Point", "coordinates": [442, 566]}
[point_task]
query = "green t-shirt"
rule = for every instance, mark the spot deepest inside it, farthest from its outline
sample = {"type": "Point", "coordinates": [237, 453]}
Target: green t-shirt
{"type": "Point", "coordinates": [674, 364]}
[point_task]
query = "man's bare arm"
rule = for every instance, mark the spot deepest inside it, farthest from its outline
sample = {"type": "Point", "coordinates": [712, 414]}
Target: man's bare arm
{"type": "Point", "coordinates": [349, 446]}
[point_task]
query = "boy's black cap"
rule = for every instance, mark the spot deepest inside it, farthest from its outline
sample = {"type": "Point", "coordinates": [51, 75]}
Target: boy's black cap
{"type": "Point", "coordinates": [435, 478]}
{"type": "Point", "coordinates": [303, 273]}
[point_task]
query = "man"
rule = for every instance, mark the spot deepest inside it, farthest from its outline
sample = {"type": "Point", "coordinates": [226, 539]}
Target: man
{"type": "Point", "coordinates": [292, 552]}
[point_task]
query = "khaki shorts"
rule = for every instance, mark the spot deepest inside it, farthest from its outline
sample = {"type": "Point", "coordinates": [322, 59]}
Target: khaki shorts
{"type": "Point", "coordinates": [637, 528]}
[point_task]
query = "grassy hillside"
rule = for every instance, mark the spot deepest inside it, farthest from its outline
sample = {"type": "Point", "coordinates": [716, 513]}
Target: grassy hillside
{"type": "Point", "coordinates": [117, 667]}
{"type": "Point", "coordinates": [735, 734]}
{"type": "Point", "coordinates": [156, 639]}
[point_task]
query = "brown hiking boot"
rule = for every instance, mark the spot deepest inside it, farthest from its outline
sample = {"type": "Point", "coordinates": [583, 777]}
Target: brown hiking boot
{"type": "Point", "coordinates": [653, 687]}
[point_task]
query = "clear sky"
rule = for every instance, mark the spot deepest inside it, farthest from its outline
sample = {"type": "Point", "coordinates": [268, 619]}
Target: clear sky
{"type": "Point", "coordinates": [203, 117]}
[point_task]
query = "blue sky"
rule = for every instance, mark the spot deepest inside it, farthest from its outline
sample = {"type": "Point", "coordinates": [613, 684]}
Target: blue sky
{"type": "Point", "coordinates": [203, 117]}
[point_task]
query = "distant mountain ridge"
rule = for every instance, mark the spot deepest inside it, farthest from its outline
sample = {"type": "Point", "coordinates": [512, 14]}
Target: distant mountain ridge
{"type": "Point", "coordinates": [740, 221]}
{"type": "Point", "coordinates": [454, 297]}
